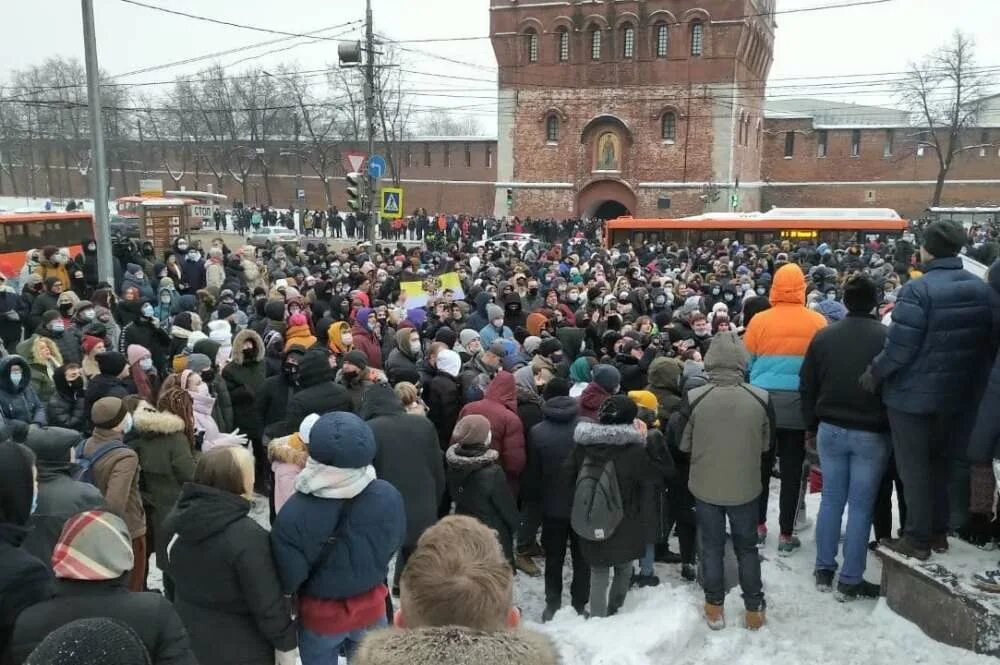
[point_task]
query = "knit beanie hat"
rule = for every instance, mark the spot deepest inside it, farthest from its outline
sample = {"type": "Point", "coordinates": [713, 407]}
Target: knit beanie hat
{"type": "Point", "coordinates": [208, 348]}
{"type": "Point", "coordinates": [467, 336]}
{"type": "Point", "coordinates": [494, 312]}
{"type": "Point", "coordinates": [617, 410]}
{"type": "Point", "coordinates": [225, 311]}
{"type": "Point", "coordinates": [446, 336]}
{"type": "Point", "coordinates": [50, 315]}
{"type": "Point", "coordinates": [944, 239]}
{"type": "Point", "coordinates": [531, 344]}
{"type": "Point", "coordinates": [832, 310]}
{"type": "Point", "coordinates": [187, 321]}
{"type": "Point", "coordinates": [111, 363]}
{"type": "Point", "coordinates": [195, 337]}
{"type": "Point", "coordinates": [94, 545]}
{"type": "Point", "coordinates": [95, 641]}
{"type": "Point", "coordinates": [342, 440]}
{"type": "Point", "coordinates": [89, 342]}
{"type": "Point", "coordinates": [556, 387]}
{"type": "Point", "coordinates": [647, 403]}
{"type": "Point", "coordinates": [107, 412]}
{"type": "Point", "coordinates": [449, 362]}
{"type": "Point", "coordinates": [607, 377]}
{"type": "Point", "coordinates": [549, 346]}
{"type": "Point", "coordinates": [137, 352]}
{"type": "Point", "coordinates": [860, 295]}
{"type": "Point", "coordinates": [472, 430]}
{"type": "Point", "coordinates": [357, 358]}
{"type": "Point", "coordinates": [199, 362]}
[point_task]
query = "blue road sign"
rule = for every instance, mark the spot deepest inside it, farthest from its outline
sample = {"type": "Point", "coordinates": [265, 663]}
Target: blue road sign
{"type": "Point", "coordinates": [376, 166]}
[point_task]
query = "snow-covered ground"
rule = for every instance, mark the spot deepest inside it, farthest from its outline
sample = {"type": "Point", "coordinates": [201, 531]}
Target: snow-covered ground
{"type": "Point", "coordinates": [664, 624]}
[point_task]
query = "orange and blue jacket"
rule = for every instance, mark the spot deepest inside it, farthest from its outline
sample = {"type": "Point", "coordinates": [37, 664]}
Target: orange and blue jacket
{"type": "Point", "coordinates": [777, 338]}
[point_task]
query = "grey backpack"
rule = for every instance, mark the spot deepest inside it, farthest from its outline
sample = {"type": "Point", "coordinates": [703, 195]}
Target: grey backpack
{"type": "Point", "coordinates": [597, 501]}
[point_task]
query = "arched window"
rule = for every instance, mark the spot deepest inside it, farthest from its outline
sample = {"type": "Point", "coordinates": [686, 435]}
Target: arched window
{"type": "Point", "coordinates": [697, 38]}
{"type": "Point", "coordinates": [746, 130]}
{"type": "Point", "coordinates": [662, 39]}
{"type": "Point", "coordinates": [595, 43]}
{"type": "Point", "coordinates": [552, 129]}
{"type": "Point", "coordinates": [739, 130]}
{"type": "Point", "coordinates": [532, 45]}
{"type": "Point", "coordinates": [628, 41]}
{"type": "Point", "coordinates": [563, 37]}
{"type": "Point", "coordinates": [669, 126]}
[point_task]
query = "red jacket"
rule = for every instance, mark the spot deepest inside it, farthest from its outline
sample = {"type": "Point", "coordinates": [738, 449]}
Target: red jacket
{"type": "Point", "coordinates": [591, 399]}
{"type": "Point", "coordinates": [499, 406]}
{"type": "Point", "coordinates": [365, 341]}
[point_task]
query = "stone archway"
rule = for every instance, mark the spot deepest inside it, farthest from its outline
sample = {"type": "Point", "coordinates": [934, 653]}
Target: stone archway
{"type": "Point", "coordinates": [605, 197]}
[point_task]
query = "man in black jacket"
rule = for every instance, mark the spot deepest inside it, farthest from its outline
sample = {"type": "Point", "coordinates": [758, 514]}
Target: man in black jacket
{"type": "Point", "coordinates": [408, 456]}
{"type": "Point", "coordinates": [318, 393]}
{"type": "Point", "coordinates": [852, 436]}
{"type": "Point", "coordinates": [92, 568]}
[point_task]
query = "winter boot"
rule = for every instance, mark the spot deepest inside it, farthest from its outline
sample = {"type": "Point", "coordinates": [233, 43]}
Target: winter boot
{"type": "Point", "coordinates": [824, 580]}
{"type": "Point", "coordinates": [906, 547]}
{"type": "Point", "coordinates": [664, 555]}
{"type": "Point", "coordinates": [689, 572]}
{"type": "Point", "coordinates": [755, 619]}
{"type": "Point", "coordinates": [527, 566]}
{"type": "Point", "coordinates": [939, 543]}
{"type": "Point", "coordinates": [862, 589]}
{"type": "Point", "coordinates": [531, 550]}
{"type": "Point", "coordinates": [715, 616]}
{"type": "Point", "coordinates": [787, 545]}
{"type": "Point", "coordinates": [550, 611]}
{"type": "Point", "coordinates": [640, 580]}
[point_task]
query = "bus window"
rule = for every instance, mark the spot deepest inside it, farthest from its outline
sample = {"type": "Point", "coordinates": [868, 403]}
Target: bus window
{"type": "Point", "coordinates": [12, 237]}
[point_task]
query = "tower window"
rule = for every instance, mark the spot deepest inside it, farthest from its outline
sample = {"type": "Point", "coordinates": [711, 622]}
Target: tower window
{"type": "Point", "coordinates": [890, 139]}
{"type": "Point", "coordinates": [669, 126]}
{"type": "Point", "coordinates": [697, 37]}
{"type": "Point", "coordinates": [984, 141]}
{"type": "Point", "coordinates": [552, 129]}
{"type": "Point", "coordinates": [821, 143]}
{"type": "Point", "coordinates": [789, 144]}
{"type": "Point", "coordinates": [856, 143]}
{"type": "Point", "coordinates": [427, 154]}
{"type": "Point", "coordinates": [628, 41]}
{"type": "Point", "coordinates": [662, 40]}
{"type": "Point", "coordinates": [595, 44]}
{"type": "Point", "coordinates": [489, 156]}
{"type": "Point", "coordinates": [447, 155]}
{"type": "Point", "coordinates": [532, 46]}
{"type": "Point", "coordinates": [563, 45]}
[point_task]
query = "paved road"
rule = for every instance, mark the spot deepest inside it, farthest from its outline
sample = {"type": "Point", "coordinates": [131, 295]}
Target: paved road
{"type": "Point", "coordinates": [234, 240]}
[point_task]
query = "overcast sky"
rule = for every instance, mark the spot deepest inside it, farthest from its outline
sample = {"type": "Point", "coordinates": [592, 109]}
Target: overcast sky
{"type": "Point", "coordinates": [874, 40]}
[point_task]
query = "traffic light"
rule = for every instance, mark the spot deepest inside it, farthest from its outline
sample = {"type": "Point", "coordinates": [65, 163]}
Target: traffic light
{"type": "Point", "coordinates": [355, 197]}
{"type": "Point", "coordinates": [510, 196]}
{"type": "Point", "coordinates": [734, 201]}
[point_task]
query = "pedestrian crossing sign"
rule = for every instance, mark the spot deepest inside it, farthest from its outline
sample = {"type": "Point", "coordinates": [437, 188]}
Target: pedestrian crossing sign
{"type": "Point", "coordinates": [392, 201]}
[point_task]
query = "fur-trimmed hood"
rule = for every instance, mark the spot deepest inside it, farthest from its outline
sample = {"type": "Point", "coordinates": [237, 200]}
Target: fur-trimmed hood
{"type": "Point", "coordinates": [242, 337]}
{"type": "Point", "coordinates": [464, 463]}
{"type": "Point", "coordinates": [288, 450]}
{"type": "Point", "coordinates": [454, 645]}
{"type": "Point", "coordinates": [595, 434]}
{"type": "Point", "coordinates": [149, 421]}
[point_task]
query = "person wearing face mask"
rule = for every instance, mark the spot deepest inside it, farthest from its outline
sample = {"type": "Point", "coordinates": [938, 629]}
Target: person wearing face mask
{"type": "Point", "coordinates": [272, 399]}
{"type": "Point", "coordinates": [406, 354]}
{"type": "Point", "coordinates": [18, 400]}
{"type": "Point", "coordinates": [87, 262]}
{"type": "Point", "coordinates": [44, 359]}
{"type": "Point", "coordinates": [144, 376]}
{"type": "Point", "coordinates": [53, 329]}
{"type": "Point", "coordinates": [191, 265]}
{"type": "Point", "coordinates": [364, 336]}
{"type": "Point", "coordinates": [135, 276]}
{"type": "Point", "coordinates": [24, 579]}
{"type": "Point", "coordinates": [115, 469]}
{"type": "Point", "coordinates": [45, 300]}
{"type": "Point", "coordinates": [111, 381]}
{"type": "Point", "coordinates": [496, 328]}
{"type": "Point", "coordinates": [244, 375]}
{"type": "Point", "coordinates": [146, 331]}
{"type": "Point", "coordinates": [340, 340]}
{"type": "Point", "coordinates": [53, 263]}
{"type": "Point", "coordinates": [65, 407]}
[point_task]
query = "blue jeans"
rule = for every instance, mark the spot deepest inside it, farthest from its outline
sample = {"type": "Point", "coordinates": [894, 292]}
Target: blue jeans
{"type": "Point", "coordinates": [646, 562]}
{"type": "Point", "coordinates": [317, 649]}
{"type": "Point", "coordinates": [712, 543]}
{"type": "Point", "coordinates": [853, 462]}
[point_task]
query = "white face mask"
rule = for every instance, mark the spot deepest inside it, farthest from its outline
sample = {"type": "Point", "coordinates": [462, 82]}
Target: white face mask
{"type": "Point", "coordinates": [15, 377]}
{"type": "Point", "coordinates": [146, 364]}
{"type": "Point", "coordinates": [415, 347]}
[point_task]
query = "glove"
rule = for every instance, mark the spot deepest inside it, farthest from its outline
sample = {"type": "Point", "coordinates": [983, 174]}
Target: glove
{"type": "Point", "coordinates": [286, 657]}
{"type": "Point", "coordinates": [868, 382]}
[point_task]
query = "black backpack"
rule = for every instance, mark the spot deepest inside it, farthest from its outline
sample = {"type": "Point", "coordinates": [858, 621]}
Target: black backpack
{"type": "Point", "coordinates": [597, 501]}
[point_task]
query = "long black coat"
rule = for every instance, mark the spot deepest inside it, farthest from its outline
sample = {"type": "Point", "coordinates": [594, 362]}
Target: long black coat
{"type": "Point", "coordinates": [24, 581]}
{"type": "Point", "coordinates": [625, 446]}
{"type": "Point", "coordinates": [272, 402]}
{"type": "Point", "coordinates": [444, 401]}
{"type": "Point", "coordinates": [103, 385]}
{"type": "Point", "coordinates": [67, 411]}
{"type": "Point", "coordinates": [226, 585]}
{"type": "Point", "coordinates": [550, 443]}
{"type": "Point", "coordinates": [155, 339]}
{"type": "Point", "coordinates": [150, 615]}
{"type": "Point", "coordinates": [319, 394]}
{"type": "Point", "coordinates": [479, 487]}
{"type": "Point", "coordinates": [408, 456]}
{"type": "Point", "coordinates": [244, 377]}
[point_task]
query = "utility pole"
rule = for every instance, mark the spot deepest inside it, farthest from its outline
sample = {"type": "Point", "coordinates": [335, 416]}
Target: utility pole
{"type": "Point", "coordinates": [98, 170]}
{"type": "Point", "coordinates": [370, 117]}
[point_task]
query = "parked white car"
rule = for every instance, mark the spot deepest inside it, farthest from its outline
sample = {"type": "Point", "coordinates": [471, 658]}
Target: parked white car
{"type": "Point", "coordinates": [519, 240]}
{"type": "Point", "coordinates": [268, 236]}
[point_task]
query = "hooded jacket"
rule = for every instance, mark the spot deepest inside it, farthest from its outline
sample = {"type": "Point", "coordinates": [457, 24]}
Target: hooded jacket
{"type": "Point", "coordinates": [479, 318]}
{"type": "Point", "coordinates": [244, 377]}
{"type": "Point", "coordinates": [402, 358]}
{"type": "Point", "coordinates": [226, 587]}
{"type": "Point", "coordinates": [777, 340]}
{"type": "Point", "coordinates": [455, 645]}
{"type": "Point", "coordinates": [408, 456]}
{"type": "Point", "coordinates": [317, 392]}
{"type": "Point", "coordinates": [728, 426]}
{"type": "Point", "coordinates": [499, 406]}
{"type": "Point", "coordinates": [19, 402]}
{"type": "Point", "coordinates": [479, 488]}
{"type": "Point", "coordinates": [166, 462]}
{"type": "Point", "coordinates": [365, 340]}
{"type": "Point", "coordinates": [665, 382]}
{"type": "Point", "coordinates": [591, 399]}
{"type": "Point", "coordinates": [550, 443]}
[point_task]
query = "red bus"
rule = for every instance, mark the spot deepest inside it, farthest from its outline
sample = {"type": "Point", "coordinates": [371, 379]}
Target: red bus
{"type": "Point", "coordinates": [818, 225]}
{"type": "Point", "coordinates": [23, 232]}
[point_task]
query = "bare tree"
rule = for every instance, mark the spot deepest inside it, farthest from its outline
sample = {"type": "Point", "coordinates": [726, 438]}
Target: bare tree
{"type": "Point", "coordinates": [442, 123]}
{"type": "Point", "coordinates": [944, 93]}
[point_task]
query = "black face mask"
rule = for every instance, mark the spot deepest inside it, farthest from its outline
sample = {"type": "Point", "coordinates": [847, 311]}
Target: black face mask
{"type": "Point", "coordinates": [75, 386]}
{"type": "Point", "coordinates": [291, 372]}
{"type": "Point", "coordinates": [208, 376]}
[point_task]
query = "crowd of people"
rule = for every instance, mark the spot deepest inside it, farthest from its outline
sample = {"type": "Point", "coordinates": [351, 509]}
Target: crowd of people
{"type": "Point", "coordinates": [572, 400]}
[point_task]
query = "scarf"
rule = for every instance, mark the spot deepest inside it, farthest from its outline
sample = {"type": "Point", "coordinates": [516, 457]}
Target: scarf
{"type": "Point", "coordinates": [330, 482]}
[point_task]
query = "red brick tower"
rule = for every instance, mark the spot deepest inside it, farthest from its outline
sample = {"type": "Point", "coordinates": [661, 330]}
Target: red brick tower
{"type": "Point", "coordinates": [650, 107]}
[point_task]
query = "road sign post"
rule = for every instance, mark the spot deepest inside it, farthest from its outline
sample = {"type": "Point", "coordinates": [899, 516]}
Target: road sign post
{"type": "Point", "coordinates": [376, 166]}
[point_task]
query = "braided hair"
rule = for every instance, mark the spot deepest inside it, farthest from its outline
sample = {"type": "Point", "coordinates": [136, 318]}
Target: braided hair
{"type": "Point", "coordinates": [178, 402]}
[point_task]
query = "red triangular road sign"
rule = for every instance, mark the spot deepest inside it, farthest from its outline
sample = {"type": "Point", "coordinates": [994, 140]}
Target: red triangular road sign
{"type": "Point", "coordinates": [355, 160]}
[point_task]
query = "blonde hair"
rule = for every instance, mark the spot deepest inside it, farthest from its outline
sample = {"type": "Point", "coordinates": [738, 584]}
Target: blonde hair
{"type": "Point", "coordinates": [406, 392]}
{"type": "Point", "coordinates": [229, 468]}
{"type": "Point", "coordinates": [457, 576]}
